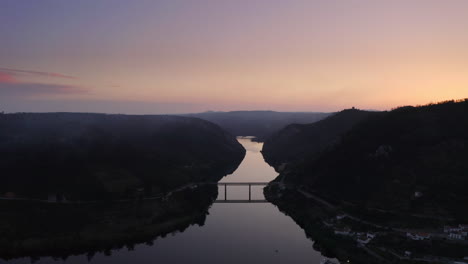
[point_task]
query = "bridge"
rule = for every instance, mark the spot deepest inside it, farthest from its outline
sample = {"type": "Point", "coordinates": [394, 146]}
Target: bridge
{"type": "Point", "coordinates": [161, 196]}
{"type": "Point", "coordinates": [247, 185]}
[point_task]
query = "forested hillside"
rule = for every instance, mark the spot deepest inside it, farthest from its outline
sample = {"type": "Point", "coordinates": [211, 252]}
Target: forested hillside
{"type": "Point", "coordinates": [412, 159]}
{"type": "Point", "coordinates": [306, 141]}
{"type": "Point", "coordinates": [97, 156]}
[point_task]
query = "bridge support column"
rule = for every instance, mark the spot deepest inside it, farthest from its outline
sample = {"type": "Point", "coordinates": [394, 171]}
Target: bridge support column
{"type": "Point", "coordinates": [225, 192]}
{"type": "Point", "coordinates": [250, 191]}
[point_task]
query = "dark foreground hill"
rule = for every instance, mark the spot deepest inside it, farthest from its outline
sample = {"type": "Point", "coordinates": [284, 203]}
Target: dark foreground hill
{"type": "Point", "coordinates": [260, 124]}
{"type": "Point", "coordinates": [411, 159]}
{"type": "Point", "coordinates": [97, 156]}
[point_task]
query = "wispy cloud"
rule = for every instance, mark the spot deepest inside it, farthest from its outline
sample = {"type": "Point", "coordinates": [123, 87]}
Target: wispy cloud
{"type": "Point", "coordinates": [11, 86]}
{"type": "Point", "coordinates": [35, 89]}
{"type": "Point", "coordinates": [44, 104]}
{"type": "Point", "coordinates": [38, 73]}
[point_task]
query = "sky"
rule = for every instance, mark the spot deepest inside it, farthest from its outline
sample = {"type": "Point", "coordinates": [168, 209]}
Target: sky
{"type": "Point", "coordinates": [158, 57]}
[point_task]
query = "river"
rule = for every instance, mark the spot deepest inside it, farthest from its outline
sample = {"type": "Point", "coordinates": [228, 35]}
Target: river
{"type": "Point", "coordinates": [232, 232]}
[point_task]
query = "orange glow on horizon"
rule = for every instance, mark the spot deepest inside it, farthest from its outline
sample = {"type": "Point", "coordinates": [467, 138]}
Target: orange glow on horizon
{"type": "Point", "coordinates": [224, 55]}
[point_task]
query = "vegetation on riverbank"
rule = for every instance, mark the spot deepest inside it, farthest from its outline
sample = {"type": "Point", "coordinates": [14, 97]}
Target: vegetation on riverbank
{"type": "Point", "coordinates": [310, 216]}
{"type": "Point", "coordinates": [60, 230]}
{"type": "Point", "coordinates": [337, 234]}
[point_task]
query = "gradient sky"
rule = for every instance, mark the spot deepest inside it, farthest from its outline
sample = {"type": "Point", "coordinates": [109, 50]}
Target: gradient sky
{"type": "Point", "coordinates": [148, 56]}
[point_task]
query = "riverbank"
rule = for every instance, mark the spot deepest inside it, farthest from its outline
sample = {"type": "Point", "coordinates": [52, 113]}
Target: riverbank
{"type": "Point", "coordinates": [354, 237]}
{"type": "Point", "coordinates": [61, 230]}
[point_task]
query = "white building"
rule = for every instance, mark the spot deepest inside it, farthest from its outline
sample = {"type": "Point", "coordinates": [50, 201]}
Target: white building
{"type": "Point", "coordinates": [456, 236]}
{"type": "Point", "coordinates": [339, 217]}
{"type": "Point", "coordinates": [365, 238]}
{"type": "Point", "coordinates": [343, 231]}
{"type": "Point", "coordinates": [450, 229]}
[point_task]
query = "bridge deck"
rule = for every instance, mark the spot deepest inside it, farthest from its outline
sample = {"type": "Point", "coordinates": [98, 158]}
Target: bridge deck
{"type": "Point", "coordinates": [242, 183]}
{"type": "Point", "coordinates": [241, 201]}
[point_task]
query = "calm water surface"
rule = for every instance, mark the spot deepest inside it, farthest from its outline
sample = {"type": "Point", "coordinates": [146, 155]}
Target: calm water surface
{"type": "Point", "coordinates": [232, 233]}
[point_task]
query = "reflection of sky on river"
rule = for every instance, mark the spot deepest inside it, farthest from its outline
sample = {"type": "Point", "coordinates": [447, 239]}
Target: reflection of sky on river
{"type": "Point", "coordinates": [233, 233]}
{"type": "Point", "coordinates": [253, 168]}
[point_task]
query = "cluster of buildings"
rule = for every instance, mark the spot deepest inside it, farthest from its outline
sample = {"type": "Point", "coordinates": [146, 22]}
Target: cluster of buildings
{"type": "Point", "coordinates": [456, 232]}
{"type": "Point", "coordinates": [360, 237]}
{"type": "Point", "coordinates": [459, 232]}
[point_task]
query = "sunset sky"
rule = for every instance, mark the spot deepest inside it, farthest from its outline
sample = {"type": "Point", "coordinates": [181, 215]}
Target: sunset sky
{"type": "Point", "coordinates": [149, 56]}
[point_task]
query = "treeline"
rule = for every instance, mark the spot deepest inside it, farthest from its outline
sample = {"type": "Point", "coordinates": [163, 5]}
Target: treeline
{"type": "Point", "coordinates": [97, 156]}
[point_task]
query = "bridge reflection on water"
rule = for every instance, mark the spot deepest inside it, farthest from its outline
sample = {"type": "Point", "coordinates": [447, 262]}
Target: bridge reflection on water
{"type": "Point", "coordinates": [243, 184]}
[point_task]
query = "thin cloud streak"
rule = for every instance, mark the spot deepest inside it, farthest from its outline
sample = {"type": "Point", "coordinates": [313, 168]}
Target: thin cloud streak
{"type": "Point", "coordinates": [34, 89]}
{"type": "Point", "coordinates": [39, 73]}
{"type": "Point", "coordinates": [21, 104]}
{"type": "Point", "coordinates": [11, 87]}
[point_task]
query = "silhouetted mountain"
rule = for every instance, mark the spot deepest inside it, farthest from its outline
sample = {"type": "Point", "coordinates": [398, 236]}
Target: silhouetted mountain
{"type": "Point", "coordinates": [411, 159]}
{"type": "Point", "coordinates": [260, 124]}
{"type": "Point", "coordinates": [97, 156]}
{"type": "Point", "coordinates": [300, 141]}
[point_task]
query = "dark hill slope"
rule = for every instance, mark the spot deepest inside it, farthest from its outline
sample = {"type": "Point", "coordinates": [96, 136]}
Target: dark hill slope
{"type": "Point", "coordinates": [260, 124]}
{"type": "Point", "coordinates": [97, 156]}
{"type": "Point", "coordinates": [306, 141]}
{"type": "Point", "coordinates": [412, 158]}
